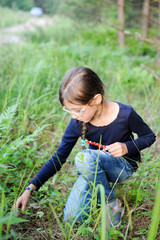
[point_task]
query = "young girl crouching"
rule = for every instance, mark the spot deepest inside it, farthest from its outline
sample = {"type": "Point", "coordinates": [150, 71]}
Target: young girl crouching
{"type": "Point", "coordinates": [113, 154]}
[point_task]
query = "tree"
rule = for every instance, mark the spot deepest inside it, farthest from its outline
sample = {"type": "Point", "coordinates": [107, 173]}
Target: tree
{"type": "Point", "coordinates": [121, 21]}
{"type": "Point", "coordinates": [145, 18]}
{"type": "Point", "coordinates": [158, 54]}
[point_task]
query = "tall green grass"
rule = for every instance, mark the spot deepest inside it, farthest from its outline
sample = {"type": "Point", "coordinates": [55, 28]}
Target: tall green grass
{"type": "Point", "coordinates": [155, 216]}
{"type": "Point", "coordinates": [8, 145]}
{"type": "Point", "coordinates": [9, 17]}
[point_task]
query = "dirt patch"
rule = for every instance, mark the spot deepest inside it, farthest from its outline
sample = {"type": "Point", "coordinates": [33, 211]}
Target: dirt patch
{"type": "Point", "coordinates": [142, 220]}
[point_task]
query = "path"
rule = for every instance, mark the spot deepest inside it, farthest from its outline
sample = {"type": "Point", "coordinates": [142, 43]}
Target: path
{"type": "Point", "coordinates": [14, 34]}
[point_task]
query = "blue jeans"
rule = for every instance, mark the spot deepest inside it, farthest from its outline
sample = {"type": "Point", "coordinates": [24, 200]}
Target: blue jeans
{"type": "Point", "coordinates": [95, 167]}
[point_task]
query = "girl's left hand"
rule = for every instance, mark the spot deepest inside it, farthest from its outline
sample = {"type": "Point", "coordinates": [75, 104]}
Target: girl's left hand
{"type": "Point", "coordinates": [117, 149]}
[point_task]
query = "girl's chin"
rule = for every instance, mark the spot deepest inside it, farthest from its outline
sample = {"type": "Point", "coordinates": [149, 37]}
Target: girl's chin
{"type": "Point", "coordinates": [85, 121]}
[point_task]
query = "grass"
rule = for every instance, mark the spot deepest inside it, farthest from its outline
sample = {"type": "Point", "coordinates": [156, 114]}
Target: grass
{"type": "Point", "coordinates": [9, 17]}
{"type": "Point", "coordinates": [30, 81]}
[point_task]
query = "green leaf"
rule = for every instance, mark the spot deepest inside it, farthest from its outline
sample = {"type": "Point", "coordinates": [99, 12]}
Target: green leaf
{"type": "Point", "coordinates": [12, 220]}
{"type": "Point", "coordinates": [96, 236]}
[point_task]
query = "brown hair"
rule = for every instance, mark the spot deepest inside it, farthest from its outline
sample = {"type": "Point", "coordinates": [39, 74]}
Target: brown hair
{"type": "Point", "coordinates": [80, 84]}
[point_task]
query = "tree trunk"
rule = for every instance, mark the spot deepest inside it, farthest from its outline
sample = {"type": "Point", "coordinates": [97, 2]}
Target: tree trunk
{"type": "Point", "coordinates": [121, 21]}
{"type": "Point", "coordinates": [145, 18]}
{"type": "Point", "coordinates": [158, 53]}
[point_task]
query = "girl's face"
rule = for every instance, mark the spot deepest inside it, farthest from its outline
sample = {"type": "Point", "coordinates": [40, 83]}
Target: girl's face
{"type": "Point", "coordinates": [80, 112]}
{"type": "Point", "coordinates": [84, 113]}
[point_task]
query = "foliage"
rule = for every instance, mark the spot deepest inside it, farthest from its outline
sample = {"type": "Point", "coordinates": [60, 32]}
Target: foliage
{"type": "Point", "coordinates": [155, 216]}
{"type": "Point", "coordinates": [7, 219]}
{"type": "Point", "coordinates": [18, 4]}
{"type": "Point", "coordinates": [91, 10]}
{"type": "Point", "coordinates": [78, 9]}
{"type": "Point", "coordinates": [8, 145]}
{"type": "Point", "coordinates": [6, 121]}
{"type": "Point", "coordinates": [9, 18]}
{"type": "Point", "coordinates": [29, 98]}
{"type": "Point", "coordinates": [49, 6]}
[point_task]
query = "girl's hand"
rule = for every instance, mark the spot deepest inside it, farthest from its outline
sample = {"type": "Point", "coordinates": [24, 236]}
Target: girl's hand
{"type": "Point", "coordinates": [23, 200]}
{"type": "Point", "coordinates": [117, 149]}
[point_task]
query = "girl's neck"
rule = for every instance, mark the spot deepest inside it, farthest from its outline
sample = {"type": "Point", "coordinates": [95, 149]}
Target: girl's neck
{"type": "Point", "coordinates": [101, 109]}
{"type": "Point", "coordinates": [105, 114]}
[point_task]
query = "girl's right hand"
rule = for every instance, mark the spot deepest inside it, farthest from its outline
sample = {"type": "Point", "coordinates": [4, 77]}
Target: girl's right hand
{"type": "Point", "coordinates": [23, 200]}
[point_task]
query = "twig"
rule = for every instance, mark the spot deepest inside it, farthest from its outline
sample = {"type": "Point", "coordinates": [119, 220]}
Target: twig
{"type": "Point", "coordinates": [97, 221]}
{"type": "Point", "coordinates": [129, 216]}
{"type": "Point", "coordinates": [42, 235]}
{"type": "Point", "coordinates": [151, 71]}
{"type": "Point", "coordinates": [20, 182]}
{"type": "Point", "coordinates": [158, 1]}
{"type": "Point", "coordinates": [114, 184]}
{"type": "Point", "coordinates": [137, 36]}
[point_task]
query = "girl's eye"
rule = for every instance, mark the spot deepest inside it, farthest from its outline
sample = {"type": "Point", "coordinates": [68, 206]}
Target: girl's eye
{"type": "Point", "coordinates": [76, 110]}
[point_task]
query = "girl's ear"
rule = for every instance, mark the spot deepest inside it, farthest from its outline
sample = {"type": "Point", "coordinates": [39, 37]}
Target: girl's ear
{"type": "Point", "coordinates": [97, 99]}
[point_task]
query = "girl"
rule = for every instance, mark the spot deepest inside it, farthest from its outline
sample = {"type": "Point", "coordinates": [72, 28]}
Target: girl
{"type": "Point", "coordinates": [113, 154]}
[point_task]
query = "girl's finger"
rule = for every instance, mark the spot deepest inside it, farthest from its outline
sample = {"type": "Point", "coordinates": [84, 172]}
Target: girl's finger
{"type": "Point", "coordinates": [24, 206]}
{"type": "Point", "coordinates": [116, 152]}
{"type": "Point", "coordinates": [18, 203]}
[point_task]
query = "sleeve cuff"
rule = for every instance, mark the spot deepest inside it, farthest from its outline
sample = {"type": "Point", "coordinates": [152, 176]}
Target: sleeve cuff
{"type": "Point", "coordinates": [132, 147]}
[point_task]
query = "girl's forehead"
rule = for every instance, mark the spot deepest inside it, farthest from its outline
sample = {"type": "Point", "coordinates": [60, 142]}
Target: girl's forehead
{"type": "Point", "coordinates": [72, 105]}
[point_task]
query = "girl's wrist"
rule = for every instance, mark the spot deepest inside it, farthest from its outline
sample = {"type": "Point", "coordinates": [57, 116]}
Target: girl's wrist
{"type": "Point", "coordinates": [32, 186]}
{"type": "Point", "coordinates": [29, 189]}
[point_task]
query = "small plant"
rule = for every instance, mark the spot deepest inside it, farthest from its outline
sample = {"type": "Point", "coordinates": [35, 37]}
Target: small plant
{"type": "Point", "coordinates": [7, 218]}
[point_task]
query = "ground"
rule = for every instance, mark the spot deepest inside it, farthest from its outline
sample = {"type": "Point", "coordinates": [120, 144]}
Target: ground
{"type": "Point", "coordinates": [46, 226]}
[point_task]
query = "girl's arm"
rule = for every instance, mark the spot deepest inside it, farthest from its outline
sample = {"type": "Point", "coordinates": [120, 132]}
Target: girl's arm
{"type": "Point", "coordinates": [54, 164]}
{"type": "Point", "coordinates": [146, 137]}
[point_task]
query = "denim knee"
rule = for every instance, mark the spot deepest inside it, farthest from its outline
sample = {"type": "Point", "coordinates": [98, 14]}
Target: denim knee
{"type": "Point", "coordinates": [86, 161]}
{"type": "Point", "coordinates": [78, 204]}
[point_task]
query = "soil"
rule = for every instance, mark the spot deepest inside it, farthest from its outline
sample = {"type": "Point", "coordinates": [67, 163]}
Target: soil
{"type": "Point", "coordinates": [47, 227]}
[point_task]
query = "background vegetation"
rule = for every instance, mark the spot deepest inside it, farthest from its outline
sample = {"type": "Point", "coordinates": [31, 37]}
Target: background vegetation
{"type": "Point", "coordinates": [32, 121]}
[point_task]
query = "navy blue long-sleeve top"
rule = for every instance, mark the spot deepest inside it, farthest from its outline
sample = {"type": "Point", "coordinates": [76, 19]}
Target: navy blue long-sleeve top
{"type": "Point", "coordinates": [120, 130]}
